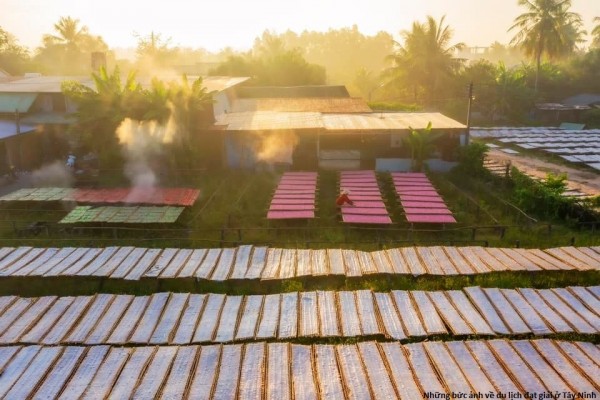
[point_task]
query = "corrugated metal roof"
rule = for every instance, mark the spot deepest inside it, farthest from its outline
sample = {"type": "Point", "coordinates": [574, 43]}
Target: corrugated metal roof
{"type": "Point", "coordinates": [41, 84]}
{"type": "Point", "coordinates": [49, 118]}
{"type": "Point", "coordinates": [584, 99]}
{"type": "Point", "coordinates": [9, 129]}
{"type": "Point", "coordinates": [317, 104]}
{"type": "Point", "coordinates": [52, 84]}
{"type": "Point", "coordinates": [269, 120]}
{"type": "Point", "coordinates": [333, 123]}
{"type": "Point", "coordinates": [388, 121]}
{"type": "Point", "coordinates": [220, 83]}
{"type": "Point", "coordinates": [11, 102]}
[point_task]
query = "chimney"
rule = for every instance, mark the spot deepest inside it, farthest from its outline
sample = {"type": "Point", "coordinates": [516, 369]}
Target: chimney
{"type": "Point", "coordinates": [98, 60]}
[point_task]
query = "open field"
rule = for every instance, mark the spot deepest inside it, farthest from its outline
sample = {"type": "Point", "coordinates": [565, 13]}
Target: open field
{"type": "Point", "coordinates": [227, 304]}
{"type": "Point", "coordinates": [233, 205]}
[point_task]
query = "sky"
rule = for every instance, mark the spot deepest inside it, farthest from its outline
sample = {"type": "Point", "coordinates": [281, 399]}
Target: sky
{"type": "Point", "coordinates": [216, 24]}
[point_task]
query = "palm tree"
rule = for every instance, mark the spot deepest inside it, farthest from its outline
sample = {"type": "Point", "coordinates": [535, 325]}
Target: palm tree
{"type": "Point", "coordinates": [596, 33]}
{"type": "Point", "coordinates": [420, 143]}
{"type": "Point", "coordinates": [101, 111]}
{"type": "Point", "coordinates": [68, 34]}
{"type": "Point", "coordinates": [190, 105]}
{"type": "Point", "coordinates": [547, 28]}
{"type": "Point", "coordinates": [426, 57]}
{"type": "Point", "coordinates": [67, 50]}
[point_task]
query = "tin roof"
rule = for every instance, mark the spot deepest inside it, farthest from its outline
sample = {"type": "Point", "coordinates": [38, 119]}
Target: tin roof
{"type": "Point", "coordinates": [52, 84]}
{"type": "Point", "coordinates": [9, 129]}
{"type": "Point", "coordinates": [269, 120]}
{"type": "Point", "coordinates": [388, 121]}
{"type": "Point", "coordinates": [11, 102]}
{"type": "Point", "coordinates": [339, 122]}
{"type": "Point", "coordinates": [299, 104]}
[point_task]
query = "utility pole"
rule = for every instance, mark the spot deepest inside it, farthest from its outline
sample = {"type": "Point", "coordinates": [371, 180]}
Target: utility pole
{"type": "Point", "coordinates": [18, 121]}
{"type": "Point", "coordinates": [468, 138]}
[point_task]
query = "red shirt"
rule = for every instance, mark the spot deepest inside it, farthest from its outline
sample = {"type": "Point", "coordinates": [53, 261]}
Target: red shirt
{"type": "Point", "coordinates": [342, 199]}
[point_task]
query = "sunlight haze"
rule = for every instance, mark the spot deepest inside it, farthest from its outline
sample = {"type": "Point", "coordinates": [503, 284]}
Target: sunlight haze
{"type": "Point", "coordinates": [215, 25]}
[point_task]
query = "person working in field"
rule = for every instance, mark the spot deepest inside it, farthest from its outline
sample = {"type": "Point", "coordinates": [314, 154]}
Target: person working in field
{"type": "Point", "coordinates": [344, 198]}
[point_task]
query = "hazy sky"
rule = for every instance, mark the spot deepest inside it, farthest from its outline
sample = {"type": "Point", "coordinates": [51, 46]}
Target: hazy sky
{"type": "Point", "coordinates": [219, 23]}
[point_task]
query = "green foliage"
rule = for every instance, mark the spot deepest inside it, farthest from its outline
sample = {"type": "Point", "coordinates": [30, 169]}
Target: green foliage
{"type": "Point", "coordinates": [549, 29]}
{"type": "Point", "coordinates": [14, 58]}
{"type": "Point", "coordinates": [502, 93]}
{"type": "Point", "coordinates": [583, 73]}
{"type": "Point", "coordinates": [102, 110]}
{"type": "Point", "coordinates": [591, 118]}
{"type": "Point", "coordinates": [420, 143]}
{"type": "Point", "coordinates": [273, 65]}
{"type": "Point", "coordinates": [425, 61]}
{"type": "Point", "coordinates": [342, 52]}
{"type": "Point", "coordinates": [470, 159]}
{"type": "Point", "coordinates": [291, 285]}
{"type": "Point", "coordinates": [596, 33]}
{"type": "Point", "coordinates": [68, 50]}
{"type": "Point", "coordinates": [153, 51]}
{"type": "Point", "coordinates": [545, 198]}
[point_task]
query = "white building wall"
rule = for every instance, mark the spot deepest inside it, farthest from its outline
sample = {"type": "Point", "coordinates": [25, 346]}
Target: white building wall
{"type": "Point", "coordinates": [221, 104]}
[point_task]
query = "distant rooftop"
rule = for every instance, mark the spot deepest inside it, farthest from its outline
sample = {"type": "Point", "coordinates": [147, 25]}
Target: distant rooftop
{"type": "Point", "coordinates": [560, 107]}
{"type": "Point", "coordinates": [314, 104]}
{"type": "Point", "coordinates": [52, 84]}
{"type": "Point", "coordinates": [292, 91]}
{"type": "Point", "coordinates": [584, 99]}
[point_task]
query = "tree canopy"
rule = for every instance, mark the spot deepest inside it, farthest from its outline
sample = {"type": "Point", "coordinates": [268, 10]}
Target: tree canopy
{"type": "Point", "coordinates": [547, 28]}
{"type": "Point", "coordinates": [425, 60]}
{"type": "Point", "coordinates": [102, 109]}
{"type": "Point", "coordinates": [596, 33]}
{"type": "Point", "coordinates": [14, 58]}
{"type": "Point", "coordinates": [273, 64]}
{"type": "Point", "coordinates": [68, 49]}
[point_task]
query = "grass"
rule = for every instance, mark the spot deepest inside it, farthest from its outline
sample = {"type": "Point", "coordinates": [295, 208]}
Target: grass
{"type": "Point", "coordinates": [232, 211]}
{"type": "Point", "coordinates": [72, 286]}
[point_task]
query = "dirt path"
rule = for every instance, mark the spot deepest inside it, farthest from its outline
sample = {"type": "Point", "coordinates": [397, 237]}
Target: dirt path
{"type": "Point", "coordinates": [583, 181]}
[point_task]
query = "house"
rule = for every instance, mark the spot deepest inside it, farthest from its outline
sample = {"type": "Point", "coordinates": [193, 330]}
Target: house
{"type": "Point", "coordinates": [338, 140]}
{"type": "Point", "coordinates": [583, 99]}
{"type": "Point", "coordinates": [37, 102]}
{"type": "Point", "coordinates": [557, 113]}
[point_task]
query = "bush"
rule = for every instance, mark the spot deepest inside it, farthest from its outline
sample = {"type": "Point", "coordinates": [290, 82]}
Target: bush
{"type": "Point", "coordinates": [546, 198]}
{"type": "Point", "coordinates": [591, 118]}
{"type": "Point", "coordinates": [470, 159]}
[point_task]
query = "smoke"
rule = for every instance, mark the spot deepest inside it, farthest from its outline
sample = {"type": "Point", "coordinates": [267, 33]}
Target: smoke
{"type": "Point", "coordinates": [277, 147]}
{"type": "Point", "coordinates": [142, 142]}
{"type": "Point", "coordinates": [52, 175]}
